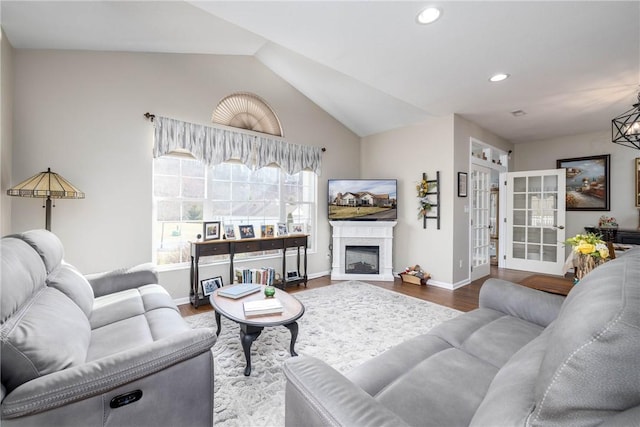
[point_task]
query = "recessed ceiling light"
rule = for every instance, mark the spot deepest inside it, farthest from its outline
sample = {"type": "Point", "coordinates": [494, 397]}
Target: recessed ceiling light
{"type": "Point", "coordinates": [498, 77]}
{"type": "Point", "coordinates": [429, 15]}
{"type": "Point", "coordinates": [518, 113]}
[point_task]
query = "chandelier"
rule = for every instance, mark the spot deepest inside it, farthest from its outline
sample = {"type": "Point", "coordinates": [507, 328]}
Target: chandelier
{"type": "Point", "coordinates": [625, 129]}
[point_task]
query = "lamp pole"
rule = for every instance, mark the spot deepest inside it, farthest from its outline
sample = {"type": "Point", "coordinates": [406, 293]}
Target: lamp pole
{"type": "Point", "coordinates": [47, 214]}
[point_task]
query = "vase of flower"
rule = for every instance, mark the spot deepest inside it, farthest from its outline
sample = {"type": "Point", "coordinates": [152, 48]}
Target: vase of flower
{"type": "Point", "coordinates": [589, 251]}
{"type": "Point", "coordinates": [585, 263]}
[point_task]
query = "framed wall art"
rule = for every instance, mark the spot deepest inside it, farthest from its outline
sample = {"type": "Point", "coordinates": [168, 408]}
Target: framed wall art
{"type": "Point", "coordinates": [587, 183]}
{"type": "Point", "coordinates": [462, 184]}
{"type": "Point", "coordinates": [211, 230]}
{"type": "Point", "coordinates": [637, 181]}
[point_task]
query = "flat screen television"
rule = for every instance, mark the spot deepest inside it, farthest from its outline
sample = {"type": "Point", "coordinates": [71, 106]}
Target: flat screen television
{"type": "Point", "coordinates": [362, 199]}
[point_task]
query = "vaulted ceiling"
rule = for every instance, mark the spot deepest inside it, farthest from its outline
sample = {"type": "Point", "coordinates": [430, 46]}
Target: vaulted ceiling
{"type": "Point", "coordinates": [573, 66]}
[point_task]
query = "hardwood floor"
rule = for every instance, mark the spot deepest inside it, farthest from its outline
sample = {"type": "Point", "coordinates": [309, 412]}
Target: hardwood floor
{"type": "Point", "coordinates": [463, 299]}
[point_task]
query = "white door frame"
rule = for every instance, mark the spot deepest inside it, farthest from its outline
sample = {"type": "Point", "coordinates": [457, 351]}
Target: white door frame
{"type": "Point", "coordinates": [486, 155]}
{"type": "Point", "coordinates": [479, 231]}
{"type": "Point", "coordinates": [535, 221]}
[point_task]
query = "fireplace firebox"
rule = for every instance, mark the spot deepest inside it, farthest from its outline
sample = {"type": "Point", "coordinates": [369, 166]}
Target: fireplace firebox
{"type": "Point", "coordinates": [362, 260]}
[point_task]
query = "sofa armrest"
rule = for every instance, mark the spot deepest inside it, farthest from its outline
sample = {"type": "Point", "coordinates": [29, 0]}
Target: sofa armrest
{"type": "Point", "coordinates": [519, 301]}
{"type": "Point", "coordinates": [122, 279]}
{"type": "Point", "coordinates": [100, 376]}
{"type": "Point", "coordinates": [318, 395]}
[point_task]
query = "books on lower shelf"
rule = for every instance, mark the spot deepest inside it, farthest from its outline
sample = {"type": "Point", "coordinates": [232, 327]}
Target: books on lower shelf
{"type": "Point", "coordinates": [262, 276]}
{"type": "Point", "coordinates": [238, 291]}
{"type": "Point", "coordinates": [262, 307]}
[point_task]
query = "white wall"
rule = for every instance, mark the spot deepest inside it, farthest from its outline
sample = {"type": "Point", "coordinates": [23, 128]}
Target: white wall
{"type": "Point", "coordinates": [543, 155]}
{"type": "Point", "coordinates": [6, 131]}
{"type": "Point", "coordinates": [81, 113]}
{"type": "Point", "coordinates": [404, 154]}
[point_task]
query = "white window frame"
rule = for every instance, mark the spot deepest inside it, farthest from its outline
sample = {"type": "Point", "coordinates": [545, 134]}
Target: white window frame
{"type": "Point", "coordinates": [311, 201]}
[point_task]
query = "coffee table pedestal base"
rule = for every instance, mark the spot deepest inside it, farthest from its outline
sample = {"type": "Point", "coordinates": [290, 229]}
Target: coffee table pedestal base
{"type": "Point", "coordinates": [249, 333]}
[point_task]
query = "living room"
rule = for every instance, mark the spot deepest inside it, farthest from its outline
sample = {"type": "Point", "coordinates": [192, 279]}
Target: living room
{"type": "Point", "coordinates": [94, 100]}
{"type": "Point", "coordinates": [78, 109]}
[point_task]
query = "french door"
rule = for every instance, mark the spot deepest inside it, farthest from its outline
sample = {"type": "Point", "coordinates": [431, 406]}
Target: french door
{"type": "Point", "coordinates": [480, 222]}
{"type": "Point", "coordinates": [535, 218]}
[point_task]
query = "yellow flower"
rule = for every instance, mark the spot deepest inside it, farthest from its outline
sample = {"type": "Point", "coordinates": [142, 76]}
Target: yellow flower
{"type": "Point", "coordinates": [586, 248]}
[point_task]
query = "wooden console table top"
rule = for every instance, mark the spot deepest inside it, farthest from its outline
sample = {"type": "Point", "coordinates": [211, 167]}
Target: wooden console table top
{"type": "Point", "coordinates": [552, 284]}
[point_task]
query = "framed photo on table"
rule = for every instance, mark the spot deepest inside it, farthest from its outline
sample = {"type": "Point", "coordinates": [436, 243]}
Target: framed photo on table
{"type": "Point", "coordinates": [211, 230]}
{"type": "Point", "coordinates": [296, 228]}
{"type": "Point", "coordinates": [587, 182]}
{"type": "Point", "coordinates": [282, 229]}
{"type": "Point", "coordinates": [246, 231]}
{"type": "Point", "coordinates": [210, 285]}
{"type": "Point", "coordinates": [229, 232]}
{"type": "Point", "coordinates": [267, 231]}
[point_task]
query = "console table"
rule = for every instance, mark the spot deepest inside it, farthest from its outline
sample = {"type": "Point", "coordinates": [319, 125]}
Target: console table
{"type": "Point", "coordinates": [615, 235]}
{"type": "Point", "coordinates": [233, 247]}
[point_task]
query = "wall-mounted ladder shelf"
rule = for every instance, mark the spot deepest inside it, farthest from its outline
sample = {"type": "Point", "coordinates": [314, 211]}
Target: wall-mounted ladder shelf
{"type": "Point", "coordinates": [437, 203]}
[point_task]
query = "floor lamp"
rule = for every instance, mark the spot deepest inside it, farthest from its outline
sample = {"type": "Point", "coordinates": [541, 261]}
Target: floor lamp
{"type": "Point", "coordinates": [47, 185]}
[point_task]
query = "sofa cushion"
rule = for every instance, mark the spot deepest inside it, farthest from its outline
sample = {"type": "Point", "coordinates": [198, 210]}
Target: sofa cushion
{"type": "Point", "coordinates": [443, 390]}
{"type": "Point", "coordinates": [47, 334]}
{"type": "Point", "coordinates": [112, 308]}
{"type": "Point", "coordinates": [440, 378]}
{"type": "Point", "coordinates": [590, 367]}
{"type": "Point", "coordinates": [68, 280]}
{"type": "Point", "coordinates": [47, 245]}
{"type": "Point", "coordinates": [510, 397]}
{"type": "Point", "coordinates": [22, 275]}
{"type": "Point", "coordinates": [131, 318]}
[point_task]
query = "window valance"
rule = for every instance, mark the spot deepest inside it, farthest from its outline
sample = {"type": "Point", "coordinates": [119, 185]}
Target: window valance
{"type": "Point", "coordinates": [214, 145]}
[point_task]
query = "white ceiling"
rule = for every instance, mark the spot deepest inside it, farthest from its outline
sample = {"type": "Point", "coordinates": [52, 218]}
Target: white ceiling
{"type": "Point", "coordinates": [573, 65]}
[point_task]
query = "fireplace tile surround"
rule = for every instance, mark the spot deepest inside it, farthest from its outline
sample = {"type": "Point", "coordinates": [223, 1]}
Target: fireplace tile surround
{"type": "Point", "coordinates": [363, 233]}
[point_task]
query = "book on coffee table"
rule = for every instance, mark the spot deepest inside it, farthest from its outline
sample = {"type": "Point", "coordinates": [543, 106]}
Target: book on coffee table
{"type": "Point", "coordinates": [262, 307]}
{"type": "Point", "coordinates": [239, 291]}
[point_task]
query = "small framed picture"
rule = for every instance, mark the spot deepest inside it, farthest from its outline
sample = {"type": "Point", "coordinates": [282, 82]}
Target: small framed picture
{"type": "Point", "coordinates": [282, 229]}
{"type": "Point", "coordinates": [267, 231]}
{"type": "Point", "coordinates": [462, 184]}
{"type": "Point", "coordinates": [246, 231]}
{"type": "Point", "coordinates": [210, 285]}
{"type": "Point", "coordinates": [296, 228]}
{"type": "Point", "coordinates": [211, 230]}
{"type": "Point", "coordinates": [229, 232]}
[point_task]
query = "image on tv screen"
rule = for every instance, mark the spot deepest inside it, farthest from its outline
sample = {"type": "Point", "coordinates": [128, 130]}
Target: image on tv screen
{"type": "Point", "coordinates": [362, 199]}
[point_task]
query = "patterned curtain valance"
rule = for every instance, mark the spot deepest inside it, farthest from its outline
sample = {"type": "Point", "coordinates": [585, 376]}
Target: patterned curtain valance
{"type": "Point", "coordinates": [214, 145]}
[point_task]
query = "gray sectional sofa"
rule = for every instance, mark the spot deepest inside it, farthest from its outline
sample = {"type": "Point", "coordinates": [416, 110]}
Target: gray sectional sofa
{"type": "Point", "coordinates": [524, 358]}
{"type": "Point", "coordinates": [105, 350]}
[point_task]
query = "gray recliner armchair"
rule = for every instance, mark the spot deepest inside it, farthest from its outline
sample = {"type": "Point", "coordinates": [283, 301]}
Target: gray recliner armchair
{"type": "Point", "coordinates": [104, 350]}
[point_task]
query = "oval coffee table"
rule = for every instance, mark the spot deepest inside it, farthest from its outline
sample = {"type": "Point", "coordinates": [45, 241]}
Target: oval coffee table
{"type": "Point", "coordinates": [251, 327]}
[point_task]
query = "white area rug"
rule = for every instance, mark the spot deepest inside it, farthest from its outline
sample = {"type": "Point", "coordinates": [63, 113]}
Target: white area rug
{"type": "Point", "coordinates": [344, 325]}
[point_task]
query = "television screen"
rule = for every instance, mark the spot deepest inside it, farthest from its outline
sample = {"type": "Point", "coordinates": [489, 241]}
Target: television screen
{"type": "Point", "coordinates": [362, 199]}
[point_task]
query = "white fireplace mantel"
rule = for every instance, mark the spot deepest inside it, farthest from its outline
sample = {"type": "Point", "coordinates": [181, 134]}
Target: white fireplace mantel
{"type": "Point", "coordinates": [363, 233]}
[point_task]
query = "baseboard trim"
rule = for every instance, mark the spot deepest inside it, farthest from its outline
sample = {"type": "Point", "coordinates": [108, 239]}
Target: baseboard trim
{"type": "Point", "coordinates": [449, 286]}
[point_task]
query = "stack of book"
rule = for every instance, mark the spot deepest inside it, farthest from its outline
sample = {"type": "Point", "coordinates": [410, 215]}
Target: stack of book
{"type": "Point", "coordinates": [262, 276]}
{"type": "Point", "coordinates": [238, 291]}
{"type": "Point", "coordinates": [262, 307]}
